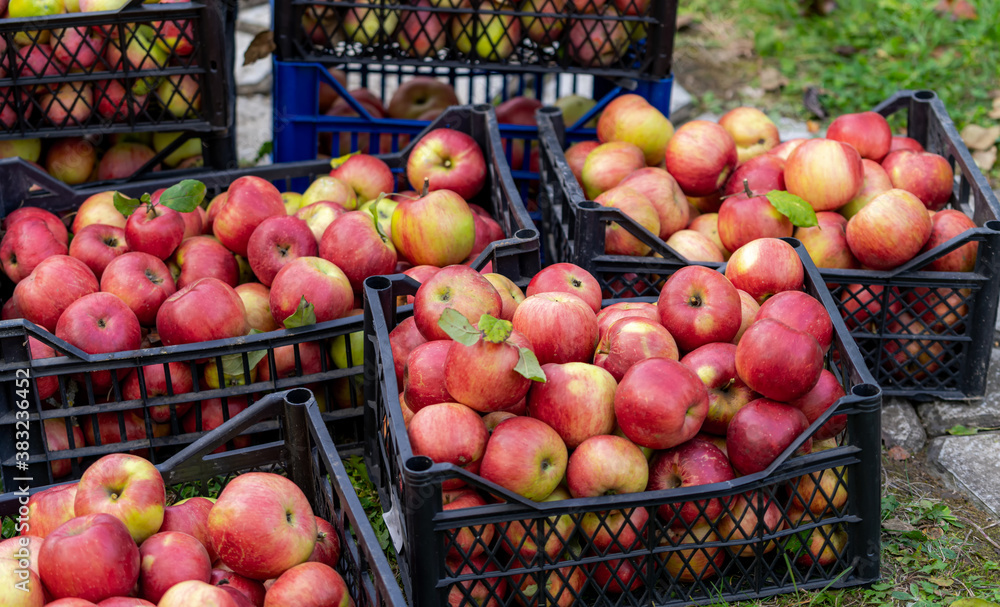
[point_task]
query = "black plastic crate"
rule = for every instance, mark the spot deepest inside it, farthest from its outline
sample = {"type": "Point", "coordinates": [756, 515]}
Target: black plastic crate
{"type": "Point", "coordinates": [887, 312]}
{"type": "Point", "coordinates": [304, 452]}
{"type": "Point", "coordinates": [410, 490]}
{"type": "Point", "coordinates": [547, 36]}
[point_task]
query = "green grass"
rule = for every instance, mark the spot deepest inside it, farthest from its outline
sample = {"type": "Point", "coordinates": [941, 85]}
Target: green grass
{"type": "Point", "coordinates": [859, 54]}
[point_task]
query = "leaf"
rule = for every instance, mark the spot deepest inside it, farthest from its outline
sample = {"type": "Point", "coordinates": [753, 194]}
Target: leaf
{"type": "Point", "coordinates": [336, 162]}
{"type": "Point", "coordinates": [458, 327]}
{"type": "Point", "coordinates": [374, 213]}
{"type": "Point", "coordinates": [260, 47]}
{"type": "Point", "coordinates": [125, 205]}
{"type": "Point", "coordinates": [980, 138]}
{"type": "Point", "coordinates": [495, 330]}
{"type": "Point", "coordinates": [985, 159]}
{"type": "Point", "coordinates": [184, 197]}
{"type": "Point", "coordinates": [232, 364]}
{"type": "Point", "coordinates": [810, 99]}
{"type": "Point", "coordinates": [961, 430]}
{"type": "Point", "coordinates": [895, 524]}
{"type": "Point", "coordinates": [304, 315]}
{"type": "Point", "coordinates": [898, 453]}
{"type": "Point", "coordinates": [771, 79]}
{"type": "Point", "coordinates": [527, 365]}
{"type": "Point", "coordinates": [944, 582]}
{"type": "Point", "coordinates": [797, 210]}
{"type": "Point", "coordinates": [902, 596]}
{"type": "Point", "coordinates": [916, 535]}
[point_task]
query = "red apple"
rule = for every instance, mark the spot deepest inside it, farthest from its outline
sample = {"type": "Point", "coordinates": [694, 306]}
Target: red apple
{"type": "Point", "coordinates": [482, 375]}
{"type": "Point", "coordinates": [99, 208]}
{"type": "Point", "coordinates": [319, 281]}
{"type": "Point", "coordinates": [577, 400]}
{"type": "Point", "coordinates": [761, 431]}
{"type": "Point", "coordinates": [127, 487]}
{"type": "Point", "coordinates": [486, 592]}
{"type": "Point", "coordinates": [50, 508]}
{"type": "Point", "coordinates": [752, 131]}
{"type": "Point", "coordinates": [802, 312]}
{"type": "Point", "coordinates": [765, 267]}
{"type": "Point", "coordinates": [124, 601]}
{"type": "Point", "coordinates": [700, 156]}
{"type": "Point", "coordinates": [196, 592]}
{"type": "Point", "coordinates": [694, 246]}
{"type": "Point", "coordinates": [778, 361]}
{"type": "Point", "coordinates": [748, 515]}
{"type": "Point", "coordinates": [169, 558]}
{"type": "Point", "coordinates": [742, 220]}
{"type": "Point", "coordinates": [662, 190]}
{"type": "Point", "coordinates": [889, 231]}
{"type": "Point", "coordinates": [25, 245]}
{"type": "Point", "coordinates": [97, 245]}
{"type": "Point", "coordinates": [100, 323]}
{"type": "Point", "coordinates": [142, 281]}
{"type": "Point", "coordinates": [156, 384]}
{"type": "Point", "coordinates": [403, 339]}
{"type": "Point", "coordinates": [785, 149]}
{"type": "Point", "coordinates": [111, 566]}
{"type": "Point", "coordinates": [945, 225]}
{"type": "Point", "coordinates": [822, 493]}
{"type": "Point", "coordinates": [450, 160]}
{"type": "Point", "coordinates": [55, 225]}
{"type": "Point", "coordinates": [510, 294]}
{"type": "Point", "coordinates": [567, 278]}
{"type": "Point", "coordinates": [827, 242]}
{"type": "Point", "coordinates": [519, 537]}
{"type": "Point", "coordinates": [632, 119]}
{"type": "Point", "coordinates": [213, 414]}
{"type": "Point", "coordinates": [927, 176]}
{"type": "Point", "coordinates": [660, 403]}
{"type": "Point", "coordinates": [905, 143]}
{"type": "Point", "coordinates": [249, 201]}
{"type": "Point", "coordinates": [309, 585]}
{"type": "Point", "coordinates": [276, 242]}
{"type": "Point", "coordinates": [460, 288]}
{"type": "Point", "coordinates": [762, 174]}
{"type": "Point", "coordinates": [327, 550]}
{"type": "Point", "coordinates": [357, 245]}
{"type": "Point", "coordinates": [424, 382]}
{"type": "Point", "coordinates": [157, 231]}
{"type": "Point", "coordinates": [866, 132]}
{"type": "Point", "coordinates": [631, 340]}
{"type": "Point", "coordinates": [596, 43]}
{"type": "Point", "coordinates": [814, 403]}
{"type": "Point", "coordinates": [437, 229]}
{"type": "Point", "coordinates": [257, 301]}
{"type": "Point", "coordinates": [251, 589]}
{"type": "Point", "coordinates": [689, 464]}
{"type": "Point", "coordinates": [826, 173]}
{"type": "Point", "coordinates": [367, 175]}
{"type": "Point", "coordinates": [624, 309]}
{"type": "Point", "coordinates": [218, 308]}
{"type": "Point", "coordinates": [698, 306]}
{"type": "Point", "coordinates": [606, 465]}
{"type": "Point", "coordinates": [576, 157]}
{"type": "Point", "coordinates": [609, 163]}
{"type": "Point", "coordinates": [204, 257]}
{"type": "Point", "coordinates": [319, 215]}
{"type": "Point", "coordinates": [560, 327]}
{"type": "Point", "coordinates": [190, 516]}
{"type": "Point", "coordinates": [449, 433]}
{"type": "Point", "coordinates": [525, 456]}
{"type": "Point", "coordinates": [420, 95]}
{"type": "Point", "coordinates": [749, 308]}
{"type": "Point", "coordinates": [24, 549]}
{"type": "Point", "coordinates": [715, 365]}
{"type": "Point", "coordinates": [57, 439]}
{"type": "Point", "coordinates": [638, 208]}
{"type": "Point", "coordinates": [696, 564]}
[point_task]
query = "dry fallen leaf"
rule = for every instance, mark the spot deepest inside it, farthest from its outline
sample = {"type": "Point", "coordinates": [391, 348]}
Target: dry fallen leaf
{"type": "Point", "coordinates": [980, 138]}
{"type": "Point", "coordinates": [985, 159]}
{"type": "Point", "coordinates": [261, 46]}
{"type": "Point", "coordinates": [995, 112]}
{"type": "Point", "coordinates": [813, 126]}
{"type": "Point", "coordinates": [771, 79]}
{"type": "Point", "coordinates": [898, 525]}
{"type": "Point", "coordinates": [898, 453]}
{"type": "Point", "coordinates": [957, 9]}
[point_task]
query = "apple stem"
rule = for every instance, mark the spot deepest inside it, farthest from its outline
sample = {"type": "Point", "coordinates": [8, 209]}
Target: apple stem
{"type": "Point", "coordinates": [746, 188]}
{"type": "Point", "coordinates": [427, 186]}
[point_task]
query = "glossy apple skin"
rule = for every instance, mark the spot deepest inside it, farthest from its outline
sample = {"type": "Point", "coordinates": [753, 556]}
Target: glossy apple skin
{"type": "Point", "coordinates": [815, 403]}
{"type": "Point", "coordinates": [124, 601]}
{"type": "Point", "coordinates": [50, 508]}
{"type": "Point", "coordinates": [451, 160]}
{"type": "Point", "coordinates": [927, 176]}
{"type": "Point", "coordinates": [482, 376]}
{"type": "Point", "coordinates": [889, 231]}
{"type": "Point", "coordinates": [26, 244]}
{"type": "Point", "coordinates": [510, 294]}
{"type": "Point", "coordinates": [460, 288]}
{"type": "Point", "coordinates": [905, 143]}
{"type": "Point", "coordinates": [800, 311]}
{"type": "Point", "coordinates": [715, 365]}
{"type": "Point", "coordinates": [367, 175]}
{"type": "Point", "coordinates": [251, 589]}
{"type": "Point", "coordinates": [761, 431]}
{"type": "Point", "coordinates": [33, 593]}
{"type": "Point", "coordinates": [100, 323]}
{"type": "Point", "coordinates": [690, 464]}
{"type": "Point", "coordinates": [437, 229]}
{"type": "Point", "coordinates": [608, 164]}
{"type": "Point", "coordinates": [576, 400]}
{"type": "Point", "coordinates": [785, 149]}
{"type": "Point", "coordinates": [319, 215]}
{"type": "Point", "coordinates": [632, 119]}
{"type": "Point", "coordinates": [826, 173]}
{"type": "Point", "coordinates": [752, 131]}
{"type": "Point", "coordinates": [190, 516]}
{"type": "Point", "coordinates": [567, 278]}
{"type": "Point", "coordinates": [742, 220]}
{"type": "Point", "coordinates": [424, 382]}
{"type": "Point", "coordinates": [257, 303]}
{"type": "Point", "coordinates": [631, 340]}
{"type": "Point", "coordinates": [141, 495]}
{"type": "Point", "coordinates": [876, 181]}
{"type": "Point", "coordinates": [205, 257]}
{"type": "Point", "coordinates": [624, 309]}
{"type": "Point", "coordinates": [308, 585]}
{"type": "Point", "coordinates": [762, 174]}
{"type": "Point", "coordinates": [765, 267]}
{"type": "Point", "coordinates": [354, 243]}
{"type": "Point", "coordinates": [55, 283]}
{"type": "Point", "coordinates": [561, 327]}
{"type": "Point", "coordinates": [618, 240]}
{"type": "Point", "coordinates": [449, 433]}
{"type": "Point", "coordinates": [403, 339]}
{"type": "Point", "coordinates": [276, 242]}
{"type": "Point", "coordinates": [157, 232]}
{"type": "Point", "coordinates": [867, 132]}
{"type": "Point", "coordinates": [827, 242]}
{"type": "Point", "coordinates": [249, 201]}
{"type": "Point", "coordinates": [196, 592]}
{"type": "Point", "coordinates": [606, 465]}
{"type": "Point", "coordinates": [699, 306]}
{"type": "Point", "coordinates": [55, 225]}
{"type": "Point", "coordinates": [945, 225]}
{"type": "Point", "coordinates": [321, 282]}
{"type": "Point", "coordinates": [168, 558]}
{"type": "Point", "coordinates": [142, 281]}
{"type": "Point", "coordinates": [97, 245]}
{"type": "Point", "coordinates": [525, 456]}
{"type": "Point", "coordinates": [662, 190]}
{"type": "Point", "coordinates": [748, 308]}
{"type": "Point", "coordinates": [218, 307]}
{"type": "Point", "coordinates": [778, 361]}
{"type": "Point", "coordinates": [110, 569]}
{"type": "Point", "coordinates": [701, 156]}
{"type": "Point", "coordinates": [656, 416]}
{"type": "Point", "coordinates": [99, 208]}
{"type": "Point", "coordinates": [576, 157]}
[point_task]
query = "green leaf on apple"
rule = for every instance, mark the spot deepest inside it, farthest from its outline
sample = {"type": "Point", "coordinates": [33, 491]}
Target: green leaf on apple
{"type": "Point", "coordinates": [303, 316]}
{"type": "Point", "coordinates": [125, 205]}
{"type": "Point", "coordinates": [232, 366]}
{"type": "Point", "coordinates": [337, 162]}
{"type": "Point", "coordinates": [374, 213]}
{"type": "Point", "coordinates": [527, 365]}
{"type": "Point", "coordinates": [458, 327]}
{"type": "Point", "coordinates": [495, 330]}
{"type": "Point", "coordinates": [184, 197]}
{"type": "Point", "coordinates": [797, 210]}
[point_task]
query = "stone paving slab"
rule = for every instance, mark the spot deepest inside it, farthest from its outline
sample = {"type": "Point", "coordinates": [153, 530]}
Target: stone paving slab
{"type": "Point", "coordinates": [972, 464]}
{"type": "Point", "coordinates": [939, 416]}
{"type": "Point", "coordinates": [901, 426]}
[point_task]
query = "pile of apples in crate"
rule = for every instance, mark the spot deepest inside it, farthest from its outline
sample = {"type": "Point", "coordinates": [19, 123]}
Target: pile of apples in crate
{"type": "Point", "coordinates": [551, 397]}
{"type": "Point", "coordinates": [161, 269]}
{"type": "Point", "coordinates": [859, 198]}
{"type": "Point", "coordinates": [111, 540]}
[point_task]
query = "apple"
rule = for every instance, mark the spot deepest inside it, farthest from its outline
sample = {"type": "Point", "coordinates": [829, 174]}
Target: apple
{"type": "Point", "coordinates": [608, 164]}
{"type": "Point", "coordinates": [100, 323]}
{"type": "Point", "coordinates": [690, 464]}
{"type": "Point", "coordinates": [561, 327]}
{"type": "Point", "coordinates": [802, 312]}
{"type": "Point", "coordinates": [124, 160]}
{"type": "Point", "coordinates": [190, 516]}
{"type": "Point", "coordinates": [309, 585]}
{"type": "Point", "coordinates": [115, 104]}
{"type": "Point", "coordinates": [596, 43]}
{"type": "Point", "coordinates": [20, 587]}
{"type": "Point", "coordinates": [707, 224]}
{"type": "Point", "coordinates": [262, 525]}
{"type": "Point", "coordinates": [127, 487]}
{"type": "Point", "coordinates": [485, 36]}
{"type": "Point", "coordinates": [319, 281]}
{"type": "Point", "coordinates": [460, 288]}
{"type": "Point", "coordinates": [111, 566]}
{"type": "Point", "coordinates": [71, 161]}
{"type": "Point", "coordinates": [124, 601]}
{"type": "Point", "coordinates": [614, 530]}
{"type": "Point", "coordinates": [567, 278]}
{"type": "Point", "coordinates": [370, 26]}
{"type": "Point", "coordinates": [715, 365]}
{"type": "Point", "coordinates": [927, 176]}
{"type": "Point", "coordinates": [491, 359]}
{"type": "Point", "coordinates": [606, 465]}
{"type": "Point", "coordinates": [330, 189]}
{"type": "Point", "coordinates": [50, 508]}
{"type": "Point", "coordinates": [25, 245]}
{"type": "Point", "coordinates": [487, 592]}
{"type": "Point", "coordinates": [169, 558]}
{"type": "Point", "coordinates": [140, 280]}
{"type": "Point", "coordinates": [778, 361]}
{"type": "Point", "coordinates": [696, 564]}
{"type": "Point", "coordinates": [889, 231]}
{"type": "Point", "coordinates": [662, 190]}
{"type": "Point", "coordinates": [742, 220]}
{"type": "Point", "coordinates": [205, 257]}
{"type": "Point", "coordinates": [827, 242]}
{"type": "Point", "coordinates": [520, 537]}
{"type": "Point", "coordinates": [256, 300]}
{"type": "Point", "coordinates": [822, 493]}
{"type": "Point", "coordinates": [822, 546]}
{"type": "Point", "coordinates": [449, 433]}
{"type": "Point", "coordinates": [765, 267]}
{"type": "Point", "coordinates": [752, 131]}
{"type": "Point", "coordinates": [108, 429]}
{"type": "Point", "coordinates": [700, 156]}
{"type": "Point", "coordinates": [24, 549]}
{"type": "Point", "coordinates": [447, 159]}
{"type": "Point", "coordinates": [525, 456]}
{"type": "Point", "coordinates": [156, 231]}
{"type": "Point", "coordinates": [905, 143]}
{"type": "Point", "coordinates": [576, 157]}
{"type": "Point", "coordinates": [914, 358]}
{"type": "Point", "coordinates": [357, 245]}
{"type": "Point", "coordinates": [697, 306]}
{"type": "Point", "coordinates": [876, 182]}
{"type": "Point", "coordinates": [99, 208]}
{"type": "Point", "coordinates": [196, 592]}
{"type": "Point", "coordinates": [631, 340]}
{"type": "Point", "coordinates": [97, 245]}
{"type": "Point", "coordinates": [466, 542]}
{"type": "Point", "coordinates": [638, 208]}
{"type": "Point", "coordinates": [327, 550]}
{"type": "Point", "coordinates": [624, 309]}
{"type": "Point", "coordinates": [866, 132]}
{"type": "Point", "coordinates": [422, 33]}
{"type": "Point", "coordinates": [761, 174]}
{"type": "Point", "coordinates": [492, 420]}
{"type": "Point", "coordinates": [57, 438]}
{"type": "Point", "coordinates": [749, 515]}
{"type": "Point", "coordinates": [251, 589]}
{"type": "Point", "coordinates": [437, 229]}
{"type": "Point", "coordinates": [414, 98]}
{"type": "Point", "coordinates": [319, 215]}
{"type": "Point", "coordinates": [213, 414]}
{"type": "Point", "coordinates": [403, 339]}
{"type": "Point", "coordinates": [544, 30]}
{"type": "Point", "coordinates": [510, 294]}
{"type": "Point", "coordinates": [813, 404]}
{"type": "Point", "coordinates": [660, 403]}
{"type": "Point", "coordinates": [632, 119]}
{"type": "Point", "coordinates": [577, 400]}
{"type": "Point", "coordinates": [306, 358]}
{"type": "Point", "coordinates": [68, 106]}
{"type": "Point", "coordinates": [785, 149]}
{"type": "Point", "coordinates": [276, 242]}
{"type": "Point", "coordinates": [694, 246]}
{"type": "Point", "coordinates": [424, 382]}
{"type": "Point", "coordinates": [218, 308]}
{"type": "Point", "coordinates": [748, 308]}
{"type": "Point", "coordinates": [249, 201]}
{"type": "Point", "coordinates": [156, 384]}
{"type": "Point", "coordinates": [761, 431]}
{"type": "Point", "coordinates": [826, 173]}
{"type": "Point", "coordinates": [945, 225]}
{"type": "Point", "coordinates": [54, 223]}
{"type": "Point", "coordinates": [181, 95]}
